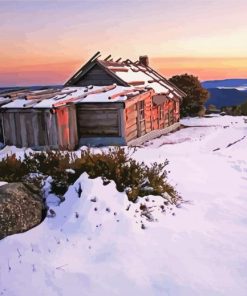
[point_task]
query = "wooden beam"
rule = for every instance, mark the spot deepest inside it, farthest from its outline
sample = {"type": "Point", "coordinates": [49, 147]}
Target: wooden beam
{"type": "Point", "coordinates": [31, 103]}
{"type": "Point", "coordinates": [93, 58]}
{"type": "Point", "coordinates": [5, 101]}
{"type": "Point", "coordinates": [136, 82]}
{"type": "Point", "coordinates": [16, 94]}
{"type": "Point", "coordinates": [118, 69]}
{"type": "Point", "coordinates": [74, 99]}
{"type": "Point", "coordinates": [121, 94]}
{"type": "Point", "coordinates": [107, 58]}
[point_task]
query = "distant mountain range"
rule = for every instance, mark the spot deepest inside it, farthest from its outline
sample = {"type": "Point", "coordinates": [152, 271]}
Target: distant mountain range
{"type": "Point", "coordinates": [228, 92]}
{"type": "Point", "coordinates": [39, 87]}
{"type": "Point", "coordinates": [226, 83]}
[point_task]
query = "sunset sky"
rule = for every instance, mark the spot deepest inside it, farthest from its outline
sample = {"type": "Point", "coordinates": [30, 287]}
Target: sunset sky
{"type": "Point", "coordinates": [44, 42]}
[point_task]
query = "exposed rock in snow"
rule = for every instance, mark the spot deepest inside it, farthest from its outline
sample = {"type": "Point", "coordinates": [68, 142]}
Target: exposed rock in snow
{"type": "Point", "coordinates": [21, 208]}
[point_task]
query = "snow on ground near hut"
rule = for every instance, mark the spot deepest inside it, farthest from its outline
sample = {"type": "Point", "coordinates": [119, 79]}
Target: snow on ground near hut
{"type": "Point", "coordinates": [94, 246]}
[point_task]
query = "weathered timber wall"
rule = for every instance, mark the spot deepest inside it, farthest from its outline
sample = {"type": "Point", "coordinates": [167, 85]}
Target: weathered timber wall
{"type": "Point", "coordinates": [99, 119]}
{"type": "Point", "coordinates": [131, 122]}
{"type": "Point", "coordinates": [154, 134]}
{"type": "Point", "coordinates": [136, 124]}
{"type": "Point", "coordinates": [40, 128]}
{"type": "Point", "coordinates": [156, 117]}
{"type": "Point", "coordinates": [96, 76]}
{"type": "Point", "coordinates": [1, 129]}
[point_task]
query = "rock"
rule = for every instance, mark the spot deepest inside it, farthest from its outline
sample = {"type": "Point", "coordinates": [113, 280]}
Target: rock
{"type": "Point", "coordinates": [21, 208]}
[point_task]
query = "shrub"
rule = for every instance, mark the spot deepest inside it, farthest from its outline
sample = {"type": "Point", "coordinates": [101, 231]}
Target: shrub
{"type": "Point", "coordinates": [12, 169]}
{"type": "Point", "coordinates": [193, 103]}
{"type": "Point", "coordinates": [136, 179]}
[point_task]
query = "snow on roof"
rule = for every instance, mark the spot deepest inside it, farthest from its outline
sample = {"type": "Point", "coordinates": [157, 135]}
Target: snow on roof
{"type": "Point", "coordinates": [128, 73]}
{"type": "Point", "coordinates": [99, 94]}
{"type": "Point", "coordinates": [134, 73]}
{"type": "Point", "coordinates": [18, 103]}
{"type": "Point", "coordinates": [118, 94]}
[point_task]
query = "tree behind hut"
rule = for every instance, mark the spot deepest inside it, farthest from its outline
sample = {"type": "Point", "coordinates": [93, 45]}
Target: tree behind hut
{"type": "Point", "coordinates": [193, 103]}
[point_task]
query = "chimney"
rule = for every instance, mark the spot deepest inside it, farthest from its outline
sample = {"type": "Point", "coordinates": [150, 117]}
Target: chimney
{"type": "Point", "coordinates": [143, 60]}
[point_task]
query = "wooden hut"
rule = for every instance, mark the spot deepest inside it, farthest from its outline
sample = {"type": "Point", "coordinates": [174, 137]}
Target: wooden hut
{"type": "Point", "coordinates": [105, 103]}
{"type": "Point", "coordinates": [151, 111]}
{"type": "Point", "coordinates": [131, 117]}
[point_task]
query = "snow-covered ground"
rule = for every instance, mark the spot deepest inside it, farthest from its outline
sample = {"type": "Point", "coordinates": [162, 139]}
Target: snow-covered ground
{"type": "Point", "coordinates": [95, 246]}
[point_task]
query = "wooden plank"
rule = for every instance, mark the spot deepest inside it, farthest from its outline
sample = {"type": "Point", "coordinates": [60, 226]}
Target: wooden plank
{"type": "Point", "coordinates": [17, 125]}
{"type": "Point", "coordinates": [118, 69]}
{"type": "Point", "coordinates": [73, 128]}
{"type": "Point", "coordinates": [131, 108]}
{"type": "Point", "coordinates": [121, 94]}
{"type": "Point", "coordinates": [131, 116]}
{"type": "Point", "coordinates": [143, 96]}
{"type": "Point", "coordinates": [23, 130]}
{"type": "Point", "coordinates": [136, 82]}
{"type": "Point", "coordinates": [6, 128]}
{"type": "Point", "coordinates": [98, 116]}
{"type": "Point", "coordinates": [44, 129]}
{"type": "Point", "coordinates": [143, 128]}
{"type": "Point", "coordinates": [99, 106]}
{"type": "Point", "coordinates": [51, 125]}
{"type": "Point", "coordinates": [95, 124]}
{"type": "Point", "coordinates": [130, 122]}
{"type": "Point", "coordinates": [35, 129]}
{"type": "Point", "coordinates": [121, 122]}
{"type": "Point", "coordinates": [40, 129]}
{"type": "Point", "coordinates": [1, 129]}
{"type": "Point", "coordinates": [131, 136]}
{"type": "Point", "coordinates": [131, 128]}
{"type": "Point", "coordinates": [12, 128]}
{"type": "Point", "coordinates": [99, 131]}
{"type": "Point", "coordinates": [29, 130]}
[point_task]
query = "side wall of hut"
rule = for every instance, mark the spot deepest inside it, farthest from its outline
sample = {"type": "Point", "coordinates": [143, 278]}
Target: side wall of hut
{"type": "Point", "coordinates": [1, 130]}
{"type": "Point", "coordinates": [138, 116]}
{"type": "Point", "coordinates": [142, 116]}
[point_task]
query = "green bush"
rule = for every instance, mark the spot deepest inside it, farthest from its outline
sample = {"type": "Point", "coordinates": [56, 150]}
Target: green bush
{"type": "Point", "coordinates": [12, 169]}
{"type": "Point", "coordinates": [136, 179]}
{"type": "Point", "coordinates": [196, 96]}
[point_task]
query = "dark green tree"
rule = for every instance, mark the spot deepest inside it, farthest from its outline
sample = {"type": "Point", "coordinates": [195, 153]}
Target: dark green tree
{"type": "Point", "coordinates": [244, 108]}
{"type": "Point", "coordinates": [193, 103]}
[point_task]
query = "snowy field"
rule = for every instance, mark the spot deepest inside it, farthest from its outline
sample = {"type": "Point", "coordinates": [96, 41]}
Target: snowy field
{"type": "Point", "coordinates": [95, 246]}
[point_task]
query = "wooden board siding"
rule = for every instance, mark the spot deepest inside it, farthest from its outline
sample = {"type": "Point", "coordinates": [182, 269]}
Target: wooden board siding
{"type": "Point", "coordinates": [157, 117]}
{"type": "Point", "coordinates": [131, 122]}
{"type": "Point", "coordinates": [1, 130]}
{"type": "Point", "coordinates": [138, 123]}
{"type": "Point", "coordinates": [40, 129]}
{"type": "Point", "coordinates": [96, 76]}
{"type": "Point", "coordinates": [99, 120]}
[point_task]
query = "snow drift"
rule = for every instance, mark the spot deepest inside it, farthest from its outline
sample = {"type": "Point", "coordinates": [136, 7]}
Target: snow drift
{"type": "Point", "coordinates": [96, 245]}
